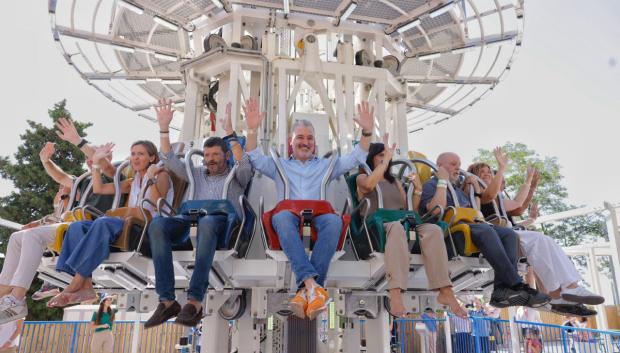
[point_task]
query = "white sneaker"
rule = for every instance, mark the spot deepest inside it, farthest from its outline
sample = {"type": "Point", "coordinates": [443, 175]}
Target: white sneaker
{"type": "Point", "coordinates": [11, 309]}
{"type": "Point", "coordinates": [581, 295]}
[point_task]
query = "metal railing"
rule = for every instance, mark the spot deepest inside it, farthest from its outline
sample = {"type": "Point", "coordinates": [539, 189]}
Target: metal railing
{"type": "Point", "coordinates": [75, 337]}
{"type": "Point", "coordinates": [488, 335]}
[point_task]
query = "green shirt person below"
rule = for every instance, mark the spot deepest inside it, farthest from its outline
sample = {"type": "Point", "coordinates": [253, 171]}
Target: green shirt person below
{"type": "Point", "coordinates": [105, 320]}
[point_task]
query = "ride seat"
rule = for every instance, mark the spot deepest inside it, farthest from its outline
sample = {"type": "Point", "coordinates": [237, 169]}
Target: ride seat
{"type": "Point", "coordinates": [133, 233]}
{"type": "Point", "coordinates": [459, 219]}
{"type": "Point", "coordinates": [306, 210]}
{"type": "Point", "coordinates": [373, 223]}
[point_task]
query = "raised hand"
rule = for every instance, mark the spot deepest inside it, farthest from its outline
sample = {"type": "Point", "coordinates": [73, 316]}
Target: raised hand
{"type": "Point", "coordinates": [164, 113]}
{"type": "Point", "coordinates": [253, 116]}
{"type": "Point", "coordinates": [102, 152]}
{"type": "Point", "coordinates": [47, 152]}
{"type": "Point", "coordinates": [534, 212]}
{"type": "Point", "coordinates": [389, 151]}
{"type": "Point", "coordinates": [443, 174]}
{"type": "Point", "coordinates": [226, 122]}
{"type": "Point", "coordinates": [365, 116]}
{"type": "Point", "coordinates": [535, 179]}
{"type": "Point", "coordinates": [501, 158]}
{"type": "Point", "coordinates": [152, 171]}
{"type": "Point", "coordinates": [414, 180]}
{"type": "Point", "coordinates": [67, 131]}
{"type": "Point", "coordinates": [471, 180]}
{"type": "Point", "coordinates": [530, 174]}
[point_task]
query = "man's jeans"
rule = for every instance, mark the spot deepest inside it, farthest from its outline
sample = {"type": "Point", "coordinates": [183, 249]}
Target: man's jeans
{"type": "Point", "coordinates": [498, 245]}
{"type": "Point", "coordinates": [328, 227]}
{"type": "Point", "coordinates": [167, 231]}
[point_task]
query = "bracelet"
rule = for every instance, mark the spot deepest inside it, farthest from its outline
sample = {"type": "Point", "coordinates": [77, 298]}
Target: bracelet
{"type": "Point", "coordinates": [366, 134]}
{"type": "Point", "coordinates": [96, 167]}
{"type": "Point", "coordinates": [164, 132]}
{"type": "Point", "coordinates": [252, 131]}
{"type": "Point", "coordinates": [477, 194]}
{"type": "Point", "coordinates": [82, 143]}
{"type": "Point", "coordinates": [417, 193]}
{"type": "Point", "coordinates": [442, 186]}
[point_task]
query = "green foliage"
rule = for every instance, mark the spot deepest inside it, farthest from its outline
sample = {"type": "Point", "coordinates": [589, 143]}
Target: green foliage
{"type": "Point", "coordinates": [550, 195]}
{"type": "Point", "coordinates": [35, 190]}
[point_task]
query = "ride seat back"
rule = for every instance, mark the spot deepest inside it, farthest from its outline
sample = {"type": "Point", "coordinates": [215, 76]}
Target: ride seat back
{"type": "Point", "coordinates": [459, 219]}
{"type": "Point", "coordinates": [297, 207]}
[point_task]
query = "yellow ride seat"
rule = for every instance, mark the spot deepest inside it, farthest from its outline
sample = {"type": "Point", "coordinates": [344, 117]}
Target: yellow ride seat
{"type": "Point", "coordinates": [424, 172]}
{"type": "Point", "coordinates": [459, 221]}
{"type": "Point", "coordinates": [67, 218]}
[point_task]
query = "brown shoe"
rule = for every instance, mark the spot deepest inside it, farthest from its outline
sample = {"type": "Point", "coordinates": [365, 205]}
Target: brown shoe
{"type": "Point", "coordinates": [189, 316]}
{"type": "Point", "coordinates": [163, 314]}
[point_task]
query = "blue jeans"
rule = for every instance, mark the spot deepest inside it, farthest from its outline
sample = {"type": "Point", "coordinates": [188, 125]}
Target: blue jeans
{"type": "Point", "coordinates": [74, 234]}
{"type": "Point", "coordinates": [328, 227]}
{"type": "Point", "coordinates": [164, 232]}
{"type": "Point", "coordinates": [87, 244]}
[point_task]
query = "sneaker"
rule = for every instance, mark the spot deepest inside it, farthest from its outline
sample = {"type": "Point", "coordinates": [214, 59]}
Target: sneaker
{"type": "Point", "coordinates": [581, 295]}
{"type": "Point", "coordinates": [318, 298]}
{"type": "Point", "coordinates": [299, 304]}
{"type": "Point", "coordinates": [564, 307]}
{"type": "Point", "coordinates": [47, 290]}
{"type": "Point", "coordinates": [189, 316]}
{"type": "Point", "coordinates": [163, 314]}
{"type": "Point", "coordinates": [12, 309]}
{"type": "Point", "coordinates": [519, 295]}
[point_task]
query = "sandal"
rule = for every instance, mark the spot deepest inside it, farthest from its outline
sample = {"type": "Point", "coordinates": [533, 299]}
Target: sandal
{"type": "Point", "coordinates": [59, 300]}
{"type": "Point", "coordinates": [82, 296]}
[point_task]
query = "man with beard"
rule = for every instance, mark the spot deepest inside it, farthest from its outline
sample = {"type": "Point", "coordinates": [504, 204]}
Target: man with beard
{"type": "Point", "coordinates": [305, 171]}
{"type": "Point", "coordinates": [165, 231]}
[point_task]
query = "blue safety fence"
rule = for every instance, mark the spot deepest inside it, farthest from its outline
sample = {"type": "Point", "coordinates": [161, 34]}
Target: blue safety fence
{"type": "Point", "coordinates": [419, 335]}
{"type": "Point", "coordinates": [540, 337]}
{"type": "Point", "coordinates": [488, 335]}
{"type": "Point", "coordinates": [75, 337]}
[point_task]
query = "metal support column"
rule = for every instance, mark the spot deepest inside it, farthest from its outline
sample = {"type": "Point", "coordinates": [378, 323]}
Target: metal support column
{"type": "Point", "coordinates": [379, 338]}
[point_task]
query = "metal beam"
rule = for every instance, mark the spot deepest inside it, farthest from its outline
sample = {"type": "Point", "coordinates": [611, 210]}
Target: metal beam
{"type": "Point", "coordinates": [432, 108]}
{"type": "Point", "coordinates": [455, 80]}
{"type": "Point", "coordinates": [414, 15]}
{"type": "Point", "coordinates": [134, 75]}
{"type": "Point", "coordinates": [573, 213]}
{"type": "Point", "coordinates": [472, 44]}
{"type": "Point", "coordinates": [112, 40]}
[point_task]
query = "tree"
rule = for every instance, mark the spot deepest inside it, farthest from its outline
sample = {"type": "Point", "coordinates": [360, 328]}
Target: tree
{"type": "Point", "coordinates": [35, 190]}
{"type": "Point", "coordinates": [550, 195]}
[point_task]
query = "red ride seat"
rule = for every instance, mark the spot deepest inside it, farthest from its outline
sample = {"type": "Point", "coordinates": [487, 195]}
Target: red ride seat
{"type": "Point", "coordinates": [313, 208]}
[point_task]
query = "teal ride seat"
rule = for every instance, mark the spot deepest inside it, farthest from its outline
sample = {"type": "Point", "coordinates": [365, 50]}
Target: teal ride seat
{"type": "Point", "coordinates": [367, 232]}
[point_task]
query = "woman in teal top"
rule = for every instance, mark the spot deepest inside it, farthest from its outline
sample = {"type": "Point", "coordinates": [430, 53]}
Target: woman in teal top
{"type": "Point", "coordinates": [102, 320]}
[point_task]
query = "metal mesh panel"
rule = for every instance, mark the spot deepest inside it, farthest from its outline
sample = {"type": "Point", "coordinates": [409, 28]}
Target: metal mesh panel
{"type": "Point", "coordinates": [373, 8]}
{"type": "Point", "coordinates": [320, 5]}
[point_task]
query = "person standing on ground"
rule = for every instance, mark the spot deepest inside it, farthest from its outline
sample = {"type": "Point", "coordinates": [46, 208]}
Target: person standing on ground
{"type": "Point", "coordinates": [103, 340]}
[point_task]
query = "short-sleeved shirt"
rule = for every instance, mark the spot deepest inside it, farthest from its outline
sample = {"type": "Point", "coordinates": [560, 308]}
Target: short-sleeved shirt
{"type": "Point", "coordinates": [430, 322]}
{"type": "Point", "coordinates": [428, 192]}
{"type": "Point", "coordinates": [100, 202]}
{"type": "Point", "coordinates": [105, 319]}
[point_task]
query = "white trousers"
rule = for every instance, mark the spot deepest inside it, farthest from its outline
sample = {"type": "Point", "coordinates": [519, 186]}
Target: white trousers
{"type": "Point", "coordinates": [23, 255]}
{"type": "Point", "coordinates": [551, 264]}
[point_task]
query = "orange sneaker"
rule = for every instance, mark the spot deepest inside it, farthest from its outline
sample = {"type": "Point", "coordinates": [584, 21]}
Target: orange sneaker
{"type": "Point", "coordinates": [318, 298]}
{"type": "Point", "coordinates": [299, 304]}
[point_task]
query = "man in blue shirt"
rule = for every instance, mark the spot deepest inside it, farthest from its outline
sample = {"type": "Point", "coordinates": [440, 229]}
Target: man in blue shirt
{"type": "Point", "coordinates": [305, 172]}
{"type": "Point", "coordinates": [497, 244]}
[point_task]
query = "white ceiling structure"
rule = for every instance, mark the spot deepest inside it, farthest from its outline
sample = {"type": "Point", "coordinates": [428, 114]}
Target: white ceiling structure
{"type": "Point", "coordinates": [452, 52]}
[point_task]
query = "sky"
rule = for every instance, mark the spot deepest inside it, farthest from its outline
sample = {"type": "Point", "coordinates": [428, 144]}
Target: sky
{"type": "Point", "coordinates": [562, 97]}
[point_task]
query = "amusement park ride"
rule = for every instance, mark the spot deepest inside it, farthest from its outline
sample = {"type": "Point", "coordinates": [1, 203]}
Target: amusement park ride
{"type": "Point", "coordinates": [419, 62]}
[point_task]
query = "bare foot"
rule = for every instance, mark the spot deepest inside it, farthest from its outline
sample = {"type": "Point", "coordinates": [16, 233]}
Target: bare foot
{"type": "Point", "coordinates": [397, 307]}
{"type": "Point", "coordinates": [446, 297]}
